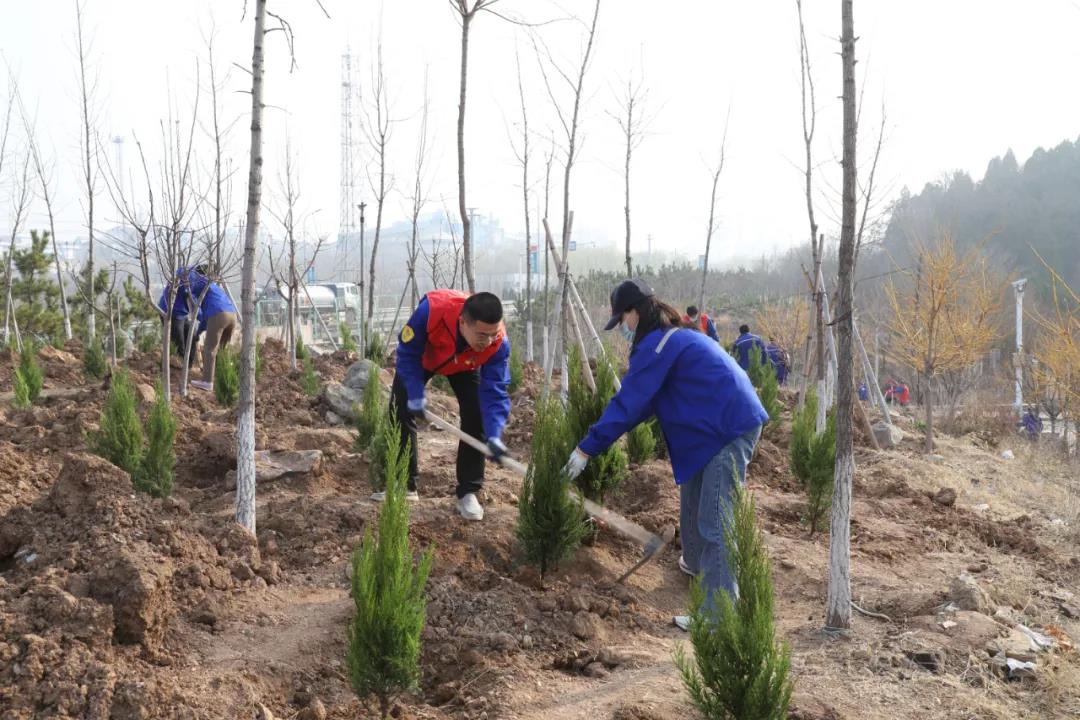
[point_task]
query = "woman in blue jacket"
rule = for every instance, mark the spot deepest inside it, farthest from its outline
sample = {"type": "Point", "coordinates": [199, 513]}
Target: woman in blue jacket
{"type": "Point", "coordinates": [709, 413]}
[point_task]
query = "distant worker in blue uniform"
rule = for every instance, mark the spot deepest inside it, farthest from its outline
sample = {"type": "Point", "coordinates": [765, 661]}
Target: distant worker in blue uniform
{"type": "Point", "coordinates": [709, 413]}
{"type": "Point", "coordinates": [700, 321]}
{"type": "Point", "coordinates": [461, 336]}
{"type": "Point", "coordinates": [180, 320]}
{"type": "Point", "coordinates": [217, 319]}
{"type": "Point", "coordinates": [743, 347]}
{"type": "Point", "coordinates": [780, 360]}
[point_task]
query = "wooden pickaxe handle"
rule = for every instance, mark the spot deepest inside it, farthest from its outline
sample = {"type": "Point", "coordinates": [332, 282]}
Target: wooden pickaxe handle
{"type": "Point", "coordinates": [651, 542]}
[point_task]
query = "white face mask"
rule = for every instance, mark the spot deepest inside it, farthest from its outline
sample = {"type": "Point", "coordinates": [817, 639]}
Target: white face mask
{"type": "Point", "coordinates": [627, 332]}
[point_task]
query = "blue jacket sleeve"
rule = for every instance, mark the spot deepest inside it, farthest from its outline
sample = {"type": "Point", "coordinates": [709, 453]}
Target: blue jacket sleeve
{"type": "Point", "coordinates": [631, 405]}
{"type": "Point", "coordinates": [710, 330]}
{"type": "Point", "coordinates": [410, 350]}
{"type": "Point", "coordinates": [494, 397]}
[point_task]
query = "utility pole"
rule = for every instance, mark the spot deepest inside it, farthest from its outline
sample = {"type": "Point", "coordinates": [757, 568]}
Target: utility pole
{"type": "Point", "coordinates": [360, 320]}
{"type": "Point", "coordinates": [1018, 359]}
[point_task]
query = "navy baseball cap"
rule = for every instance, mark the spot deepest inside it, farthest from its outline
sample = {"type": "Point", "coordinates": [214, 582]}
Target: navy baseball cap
{"type": "Point", "coordinates": [624, 297]}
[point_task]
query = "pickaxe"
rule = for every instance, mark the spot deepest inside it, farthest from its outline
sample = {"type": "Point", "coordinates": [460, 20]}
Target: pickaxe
{"type": "Point", "coordinates": [651, 543]}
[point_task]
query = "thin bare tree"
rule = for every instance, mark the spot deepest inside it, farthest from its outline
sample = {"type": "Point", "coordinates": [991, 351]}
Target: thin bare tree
{"type": "Point", "coordinates": [523, 154]}
{"type": "Point", "coordinates": [286, 268]}
{"type": "Point", "coordinates": [817, 241]}
{"type": "Point", "coordinates": [46, 183]}
{"type": "Point", "coordinates": [421, 189]}
{"type": "Point", "coordinates": [570, 122]}
{"type": "Point", "coordinates": [711, 229]}
{"type": "Point", "coordinates": [378, 127]}
{"type": "Point", "coordinates": [632, 122]}
{"type": "Point", "coordinates": [20, 206]}
{"type": "Point", "coordinates": [838, 594]}
{"type": "Point", "coordinates": [89, 165]}
{"type": "Point", "coordinates": [467, 14]}
{"type": "Point", "coordinates": [245, 412]}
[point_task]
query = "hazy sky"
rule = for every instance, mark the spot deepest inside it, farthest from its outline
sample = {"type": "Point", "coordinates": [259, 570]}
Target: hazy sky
{"type": "Point", "coordinates": [960, 81]}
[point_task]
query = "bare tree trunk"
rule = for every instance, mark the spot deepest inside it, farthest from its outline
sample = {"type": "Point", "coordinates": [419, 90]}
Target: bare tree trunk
{"type": "Point", "coordinates": [709, 231]}
{"type": "Point", "coordinates": [928, 407]}
{"type": "Point", "coordinates": [88, 176]}
{"type": "Point", "coordinates": [838, 597]}
{"type": "Point", "coordinates": [809, 123]}
{"type": "Point", "coordinates": [466, 226]}
{"type": "Point", "coordinates": [523, 158]}
{"type": "Point", "coordinates": [378, 131]}
{"type": "Point", "coordinates": [245, 425]}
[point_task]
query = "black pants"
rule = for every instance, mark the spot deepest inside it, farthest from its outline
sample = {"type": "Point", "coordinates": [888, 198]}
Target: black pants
{"type": "Point", "coordinates": [470, 462]}
{"type": "Point", "coordinates": [179, 329]}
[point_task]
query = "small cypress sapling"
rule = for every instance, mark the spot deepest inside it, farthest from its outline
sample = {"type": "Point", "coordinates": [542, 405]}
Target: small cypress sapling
{"type": "Point", "coordinates": [763, 376]}
{"type": "Point", "coordinates": [226, 378]}
{"type": "Point", "coordinates": [584, 408]}
{"type": "Point", "coordinates": [155, 474]}
{"type": "Point", "coordinates": [802, 433]}
{"type": "Point", "coordinates": [739, 671]}
{"type": "Point", "coordinates": [348, 342]}
{"type": "Point", "coordinates": [822, 464]}
{"type": "Point", "coordinates": [120, 436]}
{"type": "Point", "coordinates": [371, 412]}
{"type": "Point", "coordinates": [260, 360]}
{"type": "Point", "coordinates": [22, 391]}
{"type": "Point", "coordinates": [550, 521]}
{"type": "Point", "coordinates": [517, 369]}
{"type": "Point", "coordinates": [383, 651]}
{"type": "Point", "coordinates": [640, 444]}
{"type": "Point", "coordinates": [309, 379]}
{"type": "Point", "coordinates": [387, 434]}
{"type": "Point", "coordinates": [376, 348]}
{"type": "Point", "coordinates": [658, 436]}
{"type": "Point", "coordinates": [94, 363]}
{"type": "Point", "coordinates": [301, 351]}
{"type": "Point", "coordinates": [30, 371]}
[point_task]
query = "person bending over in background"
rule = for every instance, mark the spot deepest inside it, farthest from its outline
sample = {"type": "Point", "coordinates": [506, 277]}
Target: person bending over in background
{"type": "Point", "coordinates": [701, 322]}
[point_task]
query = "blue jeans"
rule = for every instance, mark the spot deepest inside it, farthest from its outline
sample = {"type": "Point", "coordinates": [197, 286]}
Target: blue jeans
{"type": "Point", "coordinates": [704, 509]}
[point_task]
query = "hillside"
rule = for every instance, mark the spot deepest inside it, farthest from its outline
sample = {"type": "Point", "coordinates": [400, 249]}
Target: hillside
{"type": "Point", "coordinates": [1014, 209]}
{"type": "Point", "coordinates": [117, 605]}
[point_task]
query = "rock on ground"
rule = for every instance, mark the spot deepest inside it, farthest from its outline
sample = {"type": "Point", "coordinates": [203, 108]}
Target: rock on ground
{"type": "Point", "coordinates": [968, 595]}
{"type": "Point", "coordinates": [356, 376]}
{"type": "Point", "coordinates": [342, 399]}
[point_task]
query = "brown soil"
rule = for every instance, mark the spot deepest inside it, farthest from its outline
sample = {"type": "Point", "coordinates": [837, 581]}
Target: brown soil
{"type": "Point", "coordinates": [117, 605]}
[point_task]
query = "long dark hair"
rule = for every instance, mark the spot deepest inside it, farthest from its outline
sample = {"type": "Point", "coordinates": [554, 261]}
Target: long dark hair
{"type": "Point", "coordinates": [653, 314]}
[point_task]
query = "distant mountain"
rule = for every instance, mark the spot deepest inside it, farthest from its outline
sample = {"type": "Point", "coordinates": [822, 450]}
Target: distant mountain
{"type": "Point", "coordinates": [1013, 209]}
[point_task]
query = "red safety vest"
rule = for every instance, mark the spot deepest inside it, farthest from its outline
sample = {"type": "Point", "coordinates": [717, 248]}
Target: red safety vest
{"type": "Point", "coordinates": [703, 321]}
{"type": "Point", "coordinates": [440, 353]}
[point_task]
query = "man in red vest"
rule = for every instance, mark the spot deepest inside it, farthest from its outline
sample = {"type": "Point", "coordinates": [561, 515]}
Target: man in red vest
{"type": "Point", "coordinates": [462, 337]}
{"type": "Point", "coordinates": [700, 322]}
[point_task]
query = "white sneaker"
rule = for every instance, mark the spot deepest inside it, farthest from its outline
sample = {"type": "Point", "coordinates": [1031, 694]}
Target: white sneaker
{"type": "Point", "coordinates": [682, 622]}
{"type": "Point", "coordinates": [469, 507]}
{"type": "Point", "coordinates": [202, 385]}
{"type": "Point", "coordinates": [686, 568]}
{"type": "Point", "coordinates": [380, 496]}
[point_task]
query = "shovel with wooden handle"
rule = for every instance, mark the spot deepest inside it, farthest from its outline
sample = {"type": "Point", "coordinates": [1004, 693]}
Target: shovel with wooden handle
{"type": "Point", "coordinates": [651, 543]}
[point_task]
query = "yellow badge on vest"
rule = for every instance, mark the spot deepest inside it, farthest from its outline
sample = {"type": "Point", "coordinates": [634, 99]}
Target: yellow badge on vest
{"type": "Point", "coordinates": [407, 334]}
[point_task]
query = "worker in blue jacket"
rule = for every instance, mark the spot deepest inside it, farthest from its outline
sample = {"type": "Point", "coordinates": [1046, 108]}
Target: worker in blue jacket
{"type": "Point", "coordinates": [180, 321]}
{"type": "Point", "coordinates": [709, 413]}
{"type": "Point", "coordinates": [744, 345]}
{"type": "Point", "coordinates": [460, 336]}
{"type": "Point", "coordinates": [217, 318]}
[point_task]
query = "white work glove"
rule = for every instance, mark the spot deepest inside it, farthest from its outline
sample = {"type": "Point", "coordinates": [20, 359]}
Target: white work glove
{"type": "Point", "coordinates": [498, 450]}
{"type": "Point", "coordinates": [576, 464]}
{"type": "Point", "coordinates": [417, 407]}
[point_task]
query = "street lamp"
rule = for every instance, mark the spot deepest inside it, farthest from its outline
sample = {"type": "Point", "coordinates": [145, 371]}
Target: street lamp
{"type": "Point", "coordinates": [1018, 360]}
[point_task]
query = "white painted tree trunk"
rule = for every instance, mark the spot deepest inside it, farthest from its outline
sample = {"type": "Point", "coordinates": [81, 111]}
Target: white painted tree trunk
{"type": "Point", "coordinates": [838, 595]}
{"type": "Point", "coordinates": [245, 423]}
